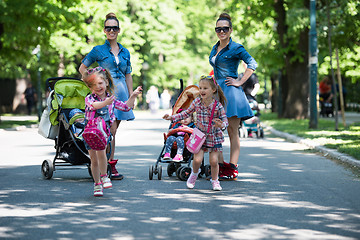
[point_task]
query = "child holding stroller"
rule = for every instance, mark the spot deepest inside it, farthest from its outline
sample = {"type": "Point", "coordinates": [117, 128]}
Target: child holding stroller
{"type": "Point", "coordinates": [178, 137]}
{"type": "Point", "coordinates": [203, 106]}
{"type": "Point", "coordinates": [101, 102]}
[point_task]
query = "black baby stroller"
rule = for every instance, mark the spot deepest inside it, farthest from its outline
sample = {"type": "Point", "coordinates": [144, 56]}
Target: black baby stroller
{"type": "Point", "coordinates": [252, 125]}
{"type": "Point", "coordinates": [66, 94]}
{"type": "Point", "coordinates": [181, 171]}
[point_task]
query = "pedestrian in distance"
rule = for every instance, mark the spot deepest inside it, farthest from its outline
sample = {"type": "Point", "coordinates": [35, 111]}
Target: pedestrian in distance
{"type": "Point", "coordinates": [30, 96]}
{"type": "Point", "coordinates": [102, 102]}
{"type": "Point", "coordinates": [211, 96]}
{"type": "Point", "coordinates": [225, 57]}
{"type": "Point", "coordinates": [116, 58]}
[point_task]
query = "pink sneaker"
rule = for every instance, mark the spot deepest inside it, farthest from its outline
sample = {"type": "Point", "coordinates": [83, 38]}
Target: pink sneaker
{"type": "Point", "coordinates": [98, 190]}
{"type": "Point", "coordinates": [178, 158]}
{"type": "Point", "coordinates": [216, 185]}
{"type": "Point", "coordinates": [166, 156]}
{"type": "Point", "coordinates": [106, 182]}
{"type": "Point", "coordinates": [190, 183]}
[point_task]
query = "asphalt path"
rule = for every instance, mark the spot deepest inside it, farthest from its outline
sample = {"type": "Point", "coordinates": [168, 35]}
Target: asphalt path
{"type": "Point", "coordinates": [284, 191]}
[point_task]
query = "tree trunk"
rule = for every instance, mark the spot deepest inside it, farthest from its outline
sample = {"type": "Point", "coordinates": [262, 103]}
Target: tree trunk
{"type": "Point", "coordinates": [295, 79]}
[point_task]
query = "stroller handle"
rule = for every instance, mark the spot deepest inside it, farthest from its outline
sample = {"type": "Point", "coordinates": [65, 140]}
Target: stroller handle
{"type": "Point", "coordinates": [50, 82]}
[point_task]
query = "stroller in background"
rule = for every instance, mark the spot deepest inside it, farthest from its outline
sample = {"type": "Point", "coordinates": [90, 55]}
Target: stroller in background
{"type": "Point", "coordinates": [182, 172]}
{"type": "Point", "coordinates": [66, 94]}
{"type": "Point", "coordinates": [252, 125]}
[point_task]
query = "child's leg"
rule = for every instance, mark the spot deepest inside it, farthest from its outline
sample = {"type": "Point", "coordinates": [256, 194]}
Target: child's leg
{"type": "Point", "coordinates": [169, 142]}
{"type": "Point", "coordinates": [213, 159]}
{"type": "Point", "coordinates": [180, 145]}
{"type": "Point", "coordinates": [102, 159]}
{"type": "Point", "coordinates": [190, 183]}
{"type": "Point", "coordinates": [95, 169]}
{"type": "Point", "coordinates": [198, 157]}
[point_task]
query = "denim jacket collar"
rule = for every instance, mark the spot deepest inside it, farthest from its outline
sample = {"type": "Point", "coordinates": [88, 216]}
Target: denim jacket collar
{"type": "Point", "coordinates": [228, 46]}
{"type": "Point", "coordinates": [107, 43]}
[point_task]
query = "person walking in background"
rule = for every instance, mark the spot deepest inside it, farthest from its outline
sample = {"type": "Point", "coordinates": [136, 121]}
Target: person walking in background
{"type": "Point", "coordinates": [152, 99]}
{"type": "Point", "coordinates": [102, 103]}
{"type": "Point", "coordinates": [116, 58]}
{"type": "Point", "coordinates": [211, 96]}
{"type": "Point", "coordinates": [30, 96]}
{"type": "Point", "coordinates": [225, 57]}
{"type": "Point", "coordinates": [165, 99]}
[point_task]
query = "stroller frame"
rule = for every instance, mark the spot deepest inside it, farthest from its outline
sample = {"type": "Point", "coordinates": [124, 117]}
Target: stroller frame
{"type": "Point", "coordinates": [70, 151]}
{"type": "Point", "coordinates": [182, 171]}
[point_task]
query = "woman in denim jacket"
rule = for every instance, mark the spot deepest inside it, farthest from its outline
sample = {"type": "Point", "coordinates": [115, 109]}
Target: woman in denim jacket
{"type": "Point", "coordinates": [225, 57]}
{"type": "Point", "coordinates": [114, 57]}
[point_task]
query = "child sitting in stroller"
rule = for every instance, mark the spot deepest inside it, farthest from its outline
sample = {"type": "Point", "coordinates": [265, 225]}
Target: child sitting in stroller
{"type": "Point", "coordinates": [177, 134]}
{"type": "Point", "coordinates": [77, 121]}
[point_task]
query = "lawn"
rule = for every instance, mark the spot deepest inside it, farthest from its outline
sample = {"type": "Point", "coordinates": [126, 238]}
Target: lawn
{"type": "Point", "coordinates": [346, 140]}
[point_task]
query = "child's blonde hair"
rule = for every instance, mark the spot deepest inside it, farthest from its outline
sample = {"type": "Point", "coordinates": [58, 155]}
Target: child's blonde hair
{"type": "Point", "coordinates": [89, 76]}
{"type": "Point", "coordinates": [220, 94]}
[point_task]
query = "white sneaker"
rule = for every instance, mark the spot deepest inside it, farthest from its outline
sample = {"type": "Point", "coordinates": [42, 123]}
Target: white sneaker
{"type": "Point", "coordinates": [190, 183]}
{"type": "Point", "coordinates": [106, 182]}
{"type": "Point", "coordinates": [98, 190]}
{"type": "Point", "coordinates": [216, 185]}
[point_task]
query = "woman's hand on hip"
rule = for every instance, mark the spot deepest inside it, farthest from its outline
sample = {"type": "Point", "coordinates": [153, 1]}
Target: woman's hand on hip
{"type": "Point", "coordinates": [232, 82]}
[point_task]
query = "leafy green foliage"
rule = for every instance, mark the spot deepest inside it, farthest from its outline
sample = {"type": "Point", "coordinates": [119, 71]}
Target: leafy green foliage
{"type": "Point", "coordinates": [173, 36]}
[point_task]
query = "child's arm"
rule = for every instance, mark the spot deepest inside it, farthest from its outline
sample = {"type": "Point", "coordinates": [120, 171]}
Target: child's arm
{"type": "Point", "coordinates": [107, 101]}
{"type": "Point", "coordinates": [184, 114]}
{"type": "Point", "coordinates": [130, 102]}
{"type": "Point", "coordinates": [222, 121]}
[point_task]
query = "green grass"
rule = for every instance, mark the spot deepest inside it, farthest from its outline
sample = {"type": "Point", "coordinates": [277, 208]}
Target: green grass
{"type": "Point", "coordinates": [14, 124]}
{"type": "Point", "coordinates": [346, 140]}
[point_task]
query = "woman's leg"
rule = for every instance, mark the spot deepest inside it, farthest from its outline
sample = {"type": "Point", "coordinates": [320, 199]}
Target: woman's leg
{"type": "Point", "coordinates": [113, 131]}
{"type": "Point", "coordinates": [95, 168]}
{"type": "Point", "coordinates": [233, 131]}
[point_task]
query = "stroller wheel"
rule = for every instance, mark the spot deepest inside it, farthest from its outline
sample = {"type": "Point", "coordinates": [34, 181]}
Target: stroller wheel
{"type": "Point", "coordinates": [109, 172]}
{"type": "Point", "coordinates": [261, 133]}
{"type": "Point", "coordinates": [151, 172]}
{"type": "Point", "coordinates": [159, 172]}
{"type": "Point", "coordinates": [184, 173]}
{"type": "Point", "coordinates": [207, 170]}
{"type": "Point", "coordinates": [178, 172]}
{"type": "Point", "coordinates": [47, 169]}
{"type": "Point", "coordinates": [171, 168]}
{"type": "Point", "coordinates": [89, 170]}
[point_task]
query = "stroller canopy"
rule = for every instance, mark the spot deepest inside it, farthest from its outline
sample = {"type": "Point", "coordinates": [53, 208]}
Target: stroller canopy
{"type": "Point", "coordinates": [186, 97]}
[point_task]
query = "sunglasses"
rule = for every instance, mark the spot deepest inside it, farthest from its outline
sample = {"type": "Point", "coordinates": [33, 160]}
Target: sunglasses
{"type": "Point", "coordinates": [97, 69]}
{"type": "Point", "coordinates": [224, 29]}
{"type": "Point", "coordinates": [208, 77]}
{"type": "Point", "coordinates": [114, 28]}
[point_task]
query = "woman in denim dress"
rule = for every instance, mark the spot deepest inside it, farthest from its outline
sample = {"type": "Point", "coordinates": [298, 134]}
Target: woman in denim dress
{"type": "Point", "coordinates": [225, 57]}
{"type": "Point", "coordinates": [114, 57]}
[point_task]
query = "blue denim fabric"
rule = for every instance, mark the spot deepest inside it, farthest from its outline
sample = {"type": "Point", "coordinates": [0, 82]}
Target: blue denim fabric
{"type": "Point", "coordinates": [226, 65]}
{"type": "Point", "coordinates": [228, 59]}
{"type": "Point", "coordinates": [105, 58]}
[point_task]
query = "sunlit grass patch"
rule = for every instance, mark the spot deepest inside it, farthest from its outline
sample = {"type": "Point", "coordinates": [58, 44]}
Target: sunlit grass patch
{"type": "Point", "coordinates": [345, 140]}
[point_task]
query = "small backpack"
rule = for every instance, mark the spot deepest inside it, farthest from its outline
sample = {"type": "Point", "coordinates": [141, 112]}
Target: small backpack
{"type": "Point", "coordinates": [96, 133]}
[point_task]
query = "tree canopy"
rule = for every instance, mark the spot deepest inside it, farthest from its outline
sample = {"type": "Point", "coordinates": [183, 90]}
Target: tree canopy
{"type": "Point", "coordinates": [174, 37]}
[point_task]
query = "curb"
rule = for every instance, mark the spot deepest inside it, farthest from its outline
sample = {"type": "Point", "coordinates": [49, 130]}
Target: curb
{"type": "Point", "coordinates": [313, 145]}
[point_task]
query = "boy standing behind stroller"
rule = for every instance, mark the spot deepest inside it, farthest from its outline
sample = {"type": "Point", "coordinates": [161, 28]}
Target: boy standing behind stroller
{"type": "Point", "coordinates": [177, 136]}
